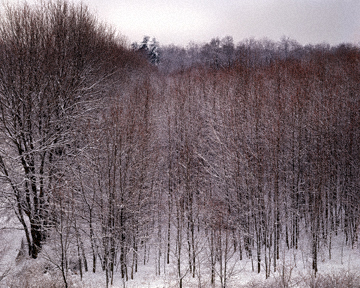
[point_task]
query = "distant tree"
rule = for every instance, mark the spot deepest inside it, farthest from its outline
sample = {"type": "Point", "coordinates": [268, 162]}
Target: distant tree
{"type": "Point", "coordinates": [228, 50]}
{"type": "Point", "coordinates": [148, 49]}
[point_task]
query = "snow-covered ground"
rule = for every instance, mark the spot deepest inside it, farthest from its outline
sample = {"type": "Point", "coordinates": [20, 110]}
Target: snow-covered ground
{"type": "Point", "coordinates": [296, 273]}
{"type": "Point", "coordinates": [293, 268]}
{"type": "Point", "coordinates": [10, 242]}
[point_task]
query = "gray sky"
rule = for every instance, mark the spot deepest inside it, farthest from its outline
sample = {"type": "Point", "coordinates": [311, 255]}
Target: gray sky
{"type": "Point", "coordinates": [182, 21]}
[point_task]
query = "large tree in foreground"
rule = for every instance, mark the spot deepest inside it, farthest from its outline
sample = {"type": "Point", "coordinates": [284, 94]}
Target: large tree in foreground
{"type": "Point", "coordinates": [55, 63]}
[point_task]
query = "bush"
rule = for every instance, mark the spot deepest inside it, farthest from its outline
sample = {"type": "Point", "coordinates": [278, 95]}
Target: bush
{"type": "Point", "coordinates": [38, 273]}
{"type": "Point", "coordinates": [342, 279]}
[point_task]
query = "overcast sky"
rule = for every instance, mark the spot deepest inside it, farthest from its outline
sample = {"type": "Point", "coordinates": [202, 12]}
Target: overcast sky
{"type": "Point", "coordinates": [182, 21]}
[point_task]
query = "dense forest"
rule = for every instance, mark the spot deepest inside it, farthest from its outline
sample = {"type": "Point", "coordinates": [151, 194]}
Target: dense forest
{"type": "Point", "coordinates": [198, 158]}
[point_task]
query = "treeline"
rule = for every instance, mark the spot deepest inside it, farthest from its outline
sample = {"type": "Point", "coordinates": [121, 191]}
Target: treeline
{"type": "Point", "coordinates": [108, 162]}
{"type": "Point", "coordinates": [224, 53]}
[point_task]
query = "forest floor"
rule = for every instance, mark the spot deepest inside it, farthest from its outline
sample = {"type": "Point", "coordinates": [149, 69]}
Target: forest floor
{"type": "Point", "coordinates": [293, 269]}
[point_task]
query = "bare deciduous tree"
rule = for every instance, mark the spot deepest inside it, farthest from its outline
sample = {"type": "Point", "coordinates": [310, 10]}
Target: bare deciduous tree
{"type": "Point", "coordinates": [55, 63]}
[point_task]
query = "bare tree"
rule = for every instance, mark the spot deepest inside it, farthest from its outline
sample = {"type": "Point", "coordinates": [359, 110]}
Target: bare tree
{"type": "Point", "coordinates": [55, 59]}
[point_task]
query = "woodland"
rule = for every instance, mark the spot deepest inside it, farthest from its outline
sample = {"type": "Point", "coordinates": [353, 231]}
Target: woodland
{"type": "Point", "coordinates": [194, 160]}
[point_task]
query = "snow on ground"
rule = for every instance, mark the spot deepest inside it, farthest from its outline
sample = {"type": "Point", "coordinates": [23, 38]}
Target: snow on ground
{"type": "Point", "coordinates": [10, 242]}
{"type": "Point", "coordinates": [297, 268]}
{"type": "Point", "coordinates": [293, 267]}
